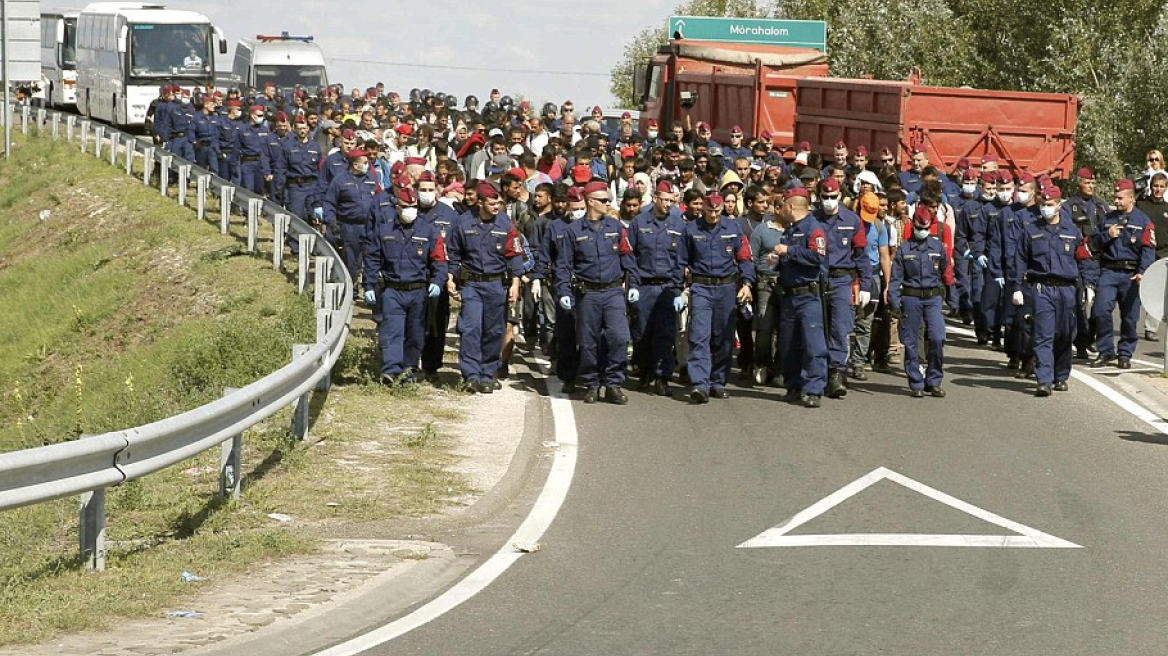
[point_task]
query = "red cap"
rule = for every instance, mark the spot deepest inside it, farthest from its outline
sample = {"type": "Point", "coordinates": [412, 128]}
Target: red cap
{"type": "Point", "coordinates": [581, 173]}
{"type": "Point", "coordinates": [886, 152]}
{"type": "Point", "coordinates": [281, 116]}
{"type": "Point", "coordinates": [765, 136]}
{"type": "Point", "coordinates": [233, 103]}
{"type": "Point", "coordinates": [349, 134]}
{"type": "Point", "coordinates": [567, 103]}
{"type": "Point", "coordinates": [519, 173]}
{"type": "Point", "coordinates": [627, 152]}
{"type": "Point", "coordinates": [397, 168]}
{"type": "Point", "coordinates": [208, 98]}
{"type": "Point", "coordinates": [407, 195]}
{"type": "Point", "coordinates": [919, 148]}
{"type": "Point", "coordinates": [404, 128]}
{"type": "Point", "coordinates": [494, 91]}
{"type": "Point", "coordinates": [218, 95]}
{"type": "Point", "coordinates": [1044, 181]}
{"type": "Point", "coordinates": [963, 163]}
{"type": "Point", "coordinates": [737, 129]}
{"type": "Point", "coordinates": [923, 216]}
{"type": "Point", "coordinates": [593, 187]}
{"type": "Point", "coordinates": [270, 85]}
{"type": "Point", "coordinates": [186, 93]}
{"type": "Point", "coordinates": [666, 187]}
{"type": "Point", "coordinates": [841, 144]}
{"type": "Point", "coordinates": [830, 186]}
{"type": "Point", "coordinates": [415, 161]}
{"type": "Point", "coordinates": [969, 176]}
{"type": "Point", "coordinates": [989, 178]}
{"type": "Point", "coordinates": [596, 109]}
{"type": "Point", "coordinates": [487, 189]}
{"type": "Point", "coordinates": [861, 151]}
{"type": "Point", "coordinates": [427, 176]}
{"type": "Point", "coordinates": [1027, 178]}
{"type": "Point", "coordinates": [1125, 185]}
{"type": "Point", "coordinates": [797, 192]}
{"type": "Point", "coordinates": [702, 125]}
{"type": "Point", "coordinates": [626, 115]}
{"type": "Point", "coordinates": [355, 153]}
{"type": "Point", "coordinates": [1086, 173]}
{"type": "Point", "coordinates": [805, 146]}
{"type": "Point", "coordinates": [652, 123]}
{"type": "Point", "coordinates": [575, 195]}
{"type": "Point", "coordinates": [1052, 193]}
{"type": "Point", "coordinates": [300, 119]}
{"type": "Point", "coordinates": [1004, 177]}
{"type": "Point", "coordinates": [988, 158]}
{"type": "Point", "coordinates": [714, 199]}
{"type": "Point", "coordinates": [255, 108]}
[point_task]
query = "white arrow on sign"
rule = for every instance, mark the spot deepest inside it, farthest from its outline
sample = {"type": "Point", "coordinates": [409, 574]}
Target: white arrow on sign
{"type": "Point", "coordinates": [1027, 538]}
{"type": "Point", "coordinates": [677, 27]}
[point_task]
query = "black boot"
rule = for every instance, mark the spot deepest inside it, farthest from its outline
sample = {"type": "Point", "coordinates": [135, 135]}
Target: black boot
{"type": "Point", "coordinates": [835, 385]}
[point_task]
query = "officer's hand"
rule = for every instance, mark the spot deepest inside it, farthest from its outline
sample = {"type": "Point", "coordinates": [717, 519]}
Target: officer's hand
{"type": "Point", "coordinates": [634, 295]}
{"type": "Point", "coordinates": [370, 297]}
{"type": "Point", "coordinates": [772, 259]}
{"type": "Point", "coordinates": [865, 298]}
{"type": "Point", "coordinates": [452, 289]}
{"type": "Point", "coordinates": [268, 178]}
{"type": "Point", "coordinates": [1001, 282]}
{"type": "Point", "coordinates": [513, 292]}
{"type": "Point", "coordinates": [744, 294]}
{"type": "Point", "coordinates": [318, 212]}
{"type": "Point", "coordinates": [536, 289]}
{"type": "Point", "coordinates": [781, 250]}
{"type": "Point", "coordinates": [1114, 231]}
{"type": "Point", "coordinates": [566, 302]}
{"type": "Point", "coordinates": [678, 304]}
{"type": "Point", "coordinates": [968, 254]}
{"type": "Point", "coordinates": [1138, 277]}
{"type": "Point", "coordinates": [1090, 300]}
{"type": "Point", "coordinates": [1017, 298]}
{"type": "Point", "coordinates": [433, 290]}
{"type": "Point", "coordinates": [983, 261]}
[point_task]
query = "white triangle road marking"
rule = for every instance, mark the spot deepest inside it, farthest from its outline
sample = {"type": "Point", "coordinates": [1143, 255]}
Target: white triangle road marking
{"type": "Point", "coordinates": [1028, 538]}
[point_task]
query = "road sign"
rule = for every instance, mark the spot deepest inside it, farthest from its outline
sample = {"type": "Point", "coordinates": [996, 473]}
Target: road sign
{"type": "Point", "coordinates": [1026, 537]}
{"type": "Point", "coordinates": [22, 32]}
{"type": "Point", "coordinates": [1152, 288]}
{"type": "Point", "coordinates": [798, 34]}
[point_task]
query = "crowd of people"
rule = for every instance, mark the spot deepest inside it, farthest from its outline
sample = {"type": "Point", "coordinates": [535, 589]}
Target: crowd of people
{"type": "Point", "coordinates": [656, 252]}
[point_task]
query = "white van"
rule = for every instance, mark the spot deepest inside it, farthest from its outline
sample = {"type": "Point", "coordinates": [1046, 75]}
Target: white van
{"type": "Point", "coordinates": [284, 60]}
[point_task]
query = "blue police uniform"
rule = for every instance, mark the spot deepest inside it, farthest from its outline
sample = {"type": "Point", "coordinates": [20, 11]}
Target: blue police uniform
{"type": "Point", "coordinates": [999, 219]}
{"type": "Point", "coordinates": [229, 148]}
{"type": "Point", "coordinates": [1049, 270]}
{"type": "Point", "coordinates": [1086, 214]}
{"type": "Point", "coordinates": [206, 142]}
{"type": "Point", "coordinates": [566, 351]}
{"type": "Point", "coordinates": [275, 161]}
{"type": "Point", "coordinates": [254, 163]}
{"type": "Point", "coordinates": [348, 203]}
{"type": "Point", "coordinates": [1018, 335]}
{"type": "Point", "coordinates": [298, 166]}
{"type": "Point", "coordinates": [967, 275]}
{"type": "Point", "coordinates": [910, 181]}
{"type": "Point", "coordinates": [159, 119]}
{"type": "Point", "coordinates": [177, 129]}
{"type": "Point", "coordinates": [483, 255]}
{"type": "Point", "coordinates": [801, 315]}
{"type": "Point", "coordinates": [848, 264]}
{"type": "Point", "coordinates": [1119, 259]}
{"type": "Point", "coordinates": [401, 262]}
{"type": "Point", "coordinates": [718, 259]}
{"type": "Point", "coordinates": [594, 259]}
{"type": "Point", "coordinates": [729, 154]}
{"type": "Point", "coordinates": [442, 218]}
{"type": "Point", "coordinates": [656, 246]}
{"type": "Point", "coordinates": [916, 291]}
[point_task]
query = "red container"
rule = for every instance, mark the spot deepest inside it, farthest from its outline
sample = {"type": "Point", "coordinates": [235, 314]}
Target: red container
{"type": "Point", "coordinates": [1032, 132]}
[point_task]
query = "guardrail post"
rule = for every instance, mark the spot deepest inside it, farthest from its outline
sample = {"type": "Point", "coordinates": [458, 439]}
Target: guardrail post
{"type": "Point", "coordinates": [129, 153]}
{"type": "Point", "coordinates": [307, 243]}
{"type": "Point", "coordinates": [226, 195]}
{"type": "Point", "coordinates": [254, 207]}
{"type": "Point", "coordinates": [23, 118]}
{"type": "Point", "coordinates": [115, 139]}
{"type": "Point", "coordinates": [230, 457]}
{"type": "Point", "coordinates": [56, 126]}
{"type": "Point", "coordinates": [41, 116]}
{"type": "Point", "coordinates": [300, 405]}
{"type": "Point", "coordinates": [92, 533]}
{"type": "Point", "coordinates": [84, 136]}
{"type": "Point", "coordinates": [184, 178]}
{"type": "Point", "coordinates": [147, 164]}
{"type": "Point", "coordinates": [164, 167]}
{"type": "Point", "coordinates": [201, 184]}
{"type": "Point", "coordinates": [70, 126]}
{"type": "Point", "coordinates": [320, 277]}
{"type": "Point", "coordinates": [279, 236]}
{"type": "Point", "coordinates": [98, 134]}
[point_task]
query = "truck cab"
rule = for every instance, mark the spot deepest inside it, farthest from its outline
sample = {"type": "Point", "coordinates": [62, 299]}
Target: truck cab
{"type": "Point", "coordinates": [284, 60]}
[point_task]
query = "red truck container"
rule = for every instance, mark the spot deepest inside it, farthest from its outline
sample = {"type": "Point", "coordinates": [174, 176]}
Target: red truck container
{"type": "Point", "coordinates": [1032, 132]}
{"type": "Point", "coordinates": [726, 84]}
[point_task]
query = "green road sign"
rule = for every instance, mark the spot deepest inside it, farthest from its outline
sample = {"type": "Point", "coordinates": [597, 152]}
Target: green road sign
{"type": "Point", "coordinates": [798, 34]}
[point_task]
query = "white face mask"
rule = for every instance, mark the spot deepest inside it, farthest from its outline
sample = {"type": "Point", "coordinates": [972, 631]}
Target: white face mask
{"type": "Point", "coordinates": [1023, 197]}
{"type": "Point", "coordinates": [652, 134]}
{"type": "Point", "coordinates": [1048, 212]}
{"type": "Point", "coordinates": [920, 235]}
{"type": "Point", "coordinates": [969, 190]}
{"type": "Point", "coordinates": [577, 215]}
{"type": "Point", "coordinates": [830, 205]}
{"type": "Point", "coordinates": [1005, 196]}
{"type": "Point", "coordinates": [427, 198]}
{"type": "Point", "coordinates": [988, 194]}
{"type": "Point", "coordinates": [447, 201]}
{"type": "Point", "coordinates": [409, 215]}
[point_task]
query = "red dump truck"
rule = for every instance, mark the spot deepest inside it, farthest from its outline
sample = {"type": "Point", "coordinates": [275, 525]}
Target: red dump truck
{"type": "Point", "coordinates": [1032, 132]}
{"type": "Point", "coordinates": [726, 84]}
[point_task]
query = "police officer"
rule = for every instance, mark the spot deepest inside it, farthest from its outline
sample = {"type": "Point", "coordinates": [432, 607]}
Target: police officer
{"type": "Point", "coordinates": [483, 252]}
{"type": "Point", "coordinates": [1126, 242]}
{"type": "Point", "coordinates": [591, 270]}
{"type": "Point", "coordinates": [967, 212]}
{"type": "Point", "coordinates": [910, 180]}
{"type": "Point", "coordinates": [442, 218]}
{"type": "Point", "coordinates": [569, 207]}
{"type": "Point", "coordinates": [999, 220]}
{"type": "Point", "coordinates": [206, 136]}
{"type": "Point", "coordinates": [655, 237]}
{"type": "Point", "coordinates": [1050, 253]}
{"type": "Point", "coordinates": [1086, 211]}
{"type": "Point", "coordinates": [173, 123]}
{"type": "Point", "coordinates": [849, 283]}
{"type": "Point", "coordinates": [716, 258]}
{"type": "Point", "coordinates": [275, 140]}
{"type": "Point", "coordinates": [254, 164]}
{"type": "Point", "coordinates": [915, 293]}
{"type": "Point", "coordinates": [229, 127]}
{"type": "Point", "coordinates": [297, 166]}
{"type": "Point", "coordinates": [802, 255]}
{"type": "Point", "coordinates": [347, 203]}
{"type": "Point", "coordinates": [406, 260]}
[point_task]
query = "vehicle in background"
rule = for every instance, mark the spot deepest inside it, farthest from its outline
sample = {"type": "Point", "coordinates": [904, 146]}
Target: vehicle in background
{"type": "Point", "coordinates": [1032, 132]}
{"type": "Point", "coordinates": [726, 84]}
{"type": "Point", "coordinates": [127, 50]}
{"type": "Point", "coordinates": [59, 58]}
{"type": "Point", "coordinates": [612, 119]}
{"type": "Point", "coordinates": [286, 61]}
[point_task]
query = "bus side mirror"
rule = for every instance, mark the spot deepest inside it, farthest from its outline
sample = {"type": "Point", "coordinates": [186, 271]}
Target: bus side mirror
{"type": "Point", "coordinates": [122, 40]}
{"type": "Point", "coordinates": [222, 41]}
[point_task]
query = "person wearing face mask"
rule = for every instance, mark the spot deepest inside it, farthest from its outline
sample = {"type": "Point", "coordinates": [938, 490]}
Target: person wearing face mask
{"type": "Point", "coordinates": [915, 294]}
{"type": "Point", "coordinates": [591, 272]}
{"type": "Point", "coordinates": [254, 163]}
{"type": "Point", "coordinates": [652, 135]}
{"type": "Point", "coordinates": [1126, 243]}
{"type": "Point", "coordinates": [967, 213]}
{"type": "Point", "coordinates": [335, 163]}
{"type": "Point", "coordinates": [441, 217]}
{"type": "Point", "coordinates": [229, 127]}
{"type": "Point", "coordinates": [562, 349]}
{"type": "Point", "coordinates": [849, 272]}
{"type": "Point", "coordinates": [1000, 221]}
{"type": "Point", "coordinates": [347, 204]}
{"type": "Point", "coordinates": [404, 268]}
{"type": "Point", "coordinates": [1051, 254]}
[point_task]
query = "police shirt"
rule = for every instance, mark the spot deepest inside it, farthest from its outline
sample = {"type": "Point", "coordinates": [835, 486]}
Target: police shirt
{"type": "Point", "coordinates": [1047, 250]}
{"type": "Point", "coordinates": [656, 243]}
{"type": "Point", "coordinates": [919, 264]}
{"type": "Point", "coordinates": [484, 247]}
{"type": "Point", "coordinates": [596, 252]}
{"type": "Point", "coordinates": [349, 198]}
{"type": "Point", "coordinates": [1136, 242]}
{"type": "Point", "coordinates": [718, 250]}
{"type": "Point", "coordinates": [847, 244]}
{"type": "Point", "coordinates": [400, 253]}
{"type": "Point", "coordinates": [806, 255]}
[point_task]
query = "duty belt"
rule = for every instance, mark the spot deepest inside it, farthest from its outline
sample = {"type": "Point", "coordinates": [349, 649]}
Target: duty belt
{"type": "Point", "coordinates": [931, 292]}
{"type": "Point", "coordinates": [1121, 265]}
{"type": "Point", "coordinates": [646, 282]}
{"type": "Point", "coordinates": [249, 158]}
{"type": "Point", "coordinates": [1053, 281]}
{"type": "Point", "coordinates": [843, 273]}
{"type": "Point", "coordinates": [403, 286]}
{"type": "Point", "coordinates": [707, 280]}
{"type": "Point", "coordinates": [177, 134]}
{"type": "Point", "coordinates": [803, 290]}
{"type": "Point", "coordinates": [471, 276]}
{"type": "Point", "coordinates": [298, 180]}
{"type": "Point", "coordinates": [348, 221]}
{"type": "Point", "coordinates": [203, 142]}
{"type": "Point", "coordinates": [599, 286]}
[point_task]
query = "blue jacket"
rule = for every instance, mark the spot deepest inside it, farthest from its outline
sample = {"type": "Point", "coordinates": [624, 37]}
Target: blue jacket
{"type": "Point", "coordinates": [594, 252]}
{"type": "Point", "coordinates": [1136, 242]}
{"type": "Point", "coordinates": [484, 247]}
{"type": "Point", "coordinates": [1001, 238]}
{"type": "Point", "coordinates": [716, 251]}
{"type": "Point", "coordinates": [847, 244]}
{"type": "Point", "coordinates": [1057, 250]}
{"type": "Point", "coordinates": [918, 264]}
{"type": "Point", "coordinates": [550, 245]}
{"type": "Point", "coordinates": [806, 256]}
{"type": "Point", "coordinates": [656, 246]}
{"type": "Point", "coordinates": [253, 144]}
{"type": "Point", "coordinates": [349, 198]}
{"type": "Point", "coordinates": [395, 252]}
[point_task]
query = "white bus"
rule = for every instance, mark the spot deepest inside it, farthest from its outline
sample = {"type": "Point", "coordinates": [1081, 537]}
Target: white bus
{"type": "Point", "coordinates": [284, 60]}
{"type": "Point", "coordinates": [127, 50]}
{"type": "Point", "coordinates": [59, 58]}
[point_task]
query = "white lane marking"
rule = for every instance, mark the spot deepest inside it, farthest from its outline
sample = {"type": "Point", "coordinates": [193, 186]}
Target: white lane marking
{"type": "Point", "coordinates": [1028, 538]}
{"type": "Point", "coordinates": [547, 506]}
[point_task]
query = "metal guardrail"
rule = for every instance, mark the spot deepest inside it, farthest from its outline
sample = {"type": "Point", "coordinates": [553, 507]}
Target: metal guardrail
{"type": "Point", "coordinates": [90, 465]}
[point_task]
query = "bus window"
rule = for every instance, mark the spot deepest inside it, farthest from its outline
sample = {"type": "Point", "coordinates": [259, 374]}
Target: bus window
{"type": "Point", "coordinates": [170, 49]}
{"type": "Point", "coordinates": [69, 47]}
{"type": "Point", "coordinates": [654, 81]}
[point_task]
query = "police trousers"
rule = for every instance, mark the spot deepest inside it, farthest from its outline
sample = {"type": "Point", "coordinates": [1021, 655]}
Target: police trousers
{"type": "Point", "coordinates": [603, 332]}
{"type": "Point", "coordinates": [1117, 288]}
{"type": "Point", "coordinates": [1053, 334]}
{"type": "Point", "coordinates": [843, 319]}
{"type": "Point", "coordinates": [400, 331]}
{"type": "Point", "coordinates": [480, 327]}
{"type": "Point", "coordinates": [654, 327]}
{"type": "Point", "coordinates": [931, 312]}
{"type": "Point", "coordinates": [804, 345]}
{"type": "Point", "coordinates": [713, 313]}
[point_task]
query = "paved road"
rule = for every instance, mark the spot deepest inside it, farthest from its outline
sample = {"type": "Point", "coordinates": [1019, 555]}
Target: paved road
{"type": "Point", "coordinates": [643, 560]}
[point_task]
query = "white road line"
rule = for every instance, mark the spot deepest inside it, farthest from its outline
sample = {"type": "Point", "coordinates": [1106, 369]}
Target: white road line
{"type": "Point", "coordinates": [547, 506]}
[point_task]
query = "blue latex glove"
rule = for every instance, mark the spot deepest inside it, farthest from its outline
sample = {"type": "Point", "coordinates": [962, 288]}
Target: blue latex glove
{"type": "Point", "coordinates": [370, 297]}
{"type": "Point", "coordinates": [433, 291]}
{"type": "Point", "coordinates": [1001, 282]}
{"type": "Point", "coordinates": [566, 302]}
{"type": "Point", "coordinates": [983, 261]}
{"type": "Point", "coordinates": [634, 295]}
{"type": "Point", "coordinates": [318, 212]}
{"type": "Point", "coordinates": [678, 304]}
{"type": "Point", "coordinates": [968, 254]}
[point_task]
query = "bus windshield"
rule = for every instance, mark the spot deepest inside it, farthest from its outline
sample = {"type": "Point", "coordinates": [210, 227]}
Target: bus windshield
{"type": "Point", "coordinates": [286, 77]}
{"type": "Point", "coordinates": [166, 50]}
{"type": "Point", "coordinates": [69, 47]}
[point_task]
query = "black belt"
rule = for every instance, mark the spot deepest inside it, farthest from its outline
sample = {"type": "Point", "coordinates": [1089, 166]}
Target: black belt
{"type": "Point", "coordinates": [302, 180]}
{"type": "Point", "coordinates": [347, 221]}
{"type": "Point", "coordinates": [645, 282]}
{"type": "Point", "coordinates": [403, 286]}
{"type": "Point", "coordinates": [1121, 265]}
{"type": "Point", "coordinates": [843, 273]}
{"type": "Point", "coordinates": [923, 293]}
{"type": "Point", "coordinates": [177, 134]}
{"type": "Point", "coordinates": [203, 142]}
{"type": "Point", "coordinates": [599, 286]}
{"type": "Point", "coordinates": [249, 158]}
{"type": "Point", "coordinates": [803, 290]}
{"type": "Point", "coordinates": [1053, 281]}
{"type": "Point", "coordinates": [471, 276]}
{"type": "Point", "coordinates": [707, 280]}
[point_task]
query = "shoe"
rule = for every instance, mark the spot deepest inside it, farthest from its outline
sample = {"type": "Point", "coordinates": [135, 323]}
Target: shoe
{"type": "Point", "coordinates": [811, 401]}
{"type": "Point", "coordinates": [1014, 363]}
{"type": "Point", "coordinates": [387, 380]}
{"type": "Point", "coordinates": [1124, 363]}
{"type": "Point", "coordinates": [997, 344]}
{"type": "Point", "coordinates": [857, 373]}
{"type": "Point", "coordinates": [698, 397]}
{"type": "Point", "coordinates": [496, 385]}
{"type": "Point", "coordinates": [881, 367]}
{"type": "Point", "coordinates": [432, 377]}
{"type": "Point", "coordinates": [615, 396]}
{"type": "Point", "coordinates": [1060, 387]}
{"type": "Point", "coordinates": [982, 340]}
{"type": "Point", "coordinates": [590, 395]}
{"type": "Point", "coordinates": [485, 388]}
{"type": "Point", "coordinates": [645, 383]}
{"type": "Point", "coordinates": [761, 375]}
{"type": "Point", "coordinates": [719, 393]}
{"type": "Point", "coordinates": [683, 376]}
{"type": "Point", "coordinates": [1092, 349]}
{"type": "Point", "coordinates": [967, 317]}
{"type": "Point", "coordinates": [570, 387]}
{"type": "Point", "coordinates": [1081, 354]}
{"type": "Point", "coordinates": [1104, 360]}
{"type": "Point", "coordinates": [1026, 371]}
{"type": "Point", "coordinates": [470, 387]}
{"type": "Point", "coordinates": [793, 396]}
{"type": "Point", "coordinates": [894, 358]}
{"type": "Point", "coordinates": [1150, 336]}
{"type": "Point", "coordinates": [661, 387]}
{"type": "Point", "coordinates": [1042, 390]}
{"type": "Point", "coordinates": [504, 372]}
{"type": "Point", "coordinates": [935, 392]}
{"type": "Point", "coordinates": [835, 385]}
{"type": "Point", "coordinates": [917, 393]}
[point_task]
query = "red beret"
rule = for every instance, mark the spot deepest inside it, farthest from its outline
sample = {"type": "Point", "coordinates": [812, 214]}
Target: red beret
{"type": "Point", "coordinates": [886, 152]}
{"type": "Point", "coordinates": [666, 187]}
{"type": "Point", "coordinates": [270, 85]}
{"type": "Point", "coordinates": [1086, 173]}
{"type": "Point", "coordinates": [349, 134]}
{"type": "Point", "coordinates": [281, 116]}
{"type": "Point", "coordinates": [208, 98]}
{"type": "Point", "coordinates": [841, 144]}
{"type": "Point", "coordinates": [1125, 185]}
{"type": "Point", "coordinates": [1026, 178]}
{"type": "Point", "coordinates": [404, 128]}
{"type": "Point", "coordinates": [1004, 177]}
{"type": "Point", "coordinates": [355, 153]}
{"type": "Point", "coordinates": [969, 176]}
{"type": "Point", "coordinates": [256, 108]}
{"type": "Point", "coordinates": [923, 216]}
{"type": "Point", "coordinates": [402, 181]}
{"type": "Point", "coordinates": [989, 177]}
{"type": "Point", "coordinates": [714, 199]}
{"type": "Point", "coordinates": [415, 161]}
{"type": "Point", "coordinates": [963, 163]}
{"type": "Point", "coordinates": [805, 146]}
{"type": "Point", "coordinates": [702, 125]}
{"type": "Point", "coordinates": [626, 115]}
{"type": "Point", "coordinates": [765, 136]}
{"type": "Point", "coordinates": [830, 186]}
{"type": "Point", "coordinates": [861, 151]}
{"type": "Point", "coordinates": [427, 176]}
{"type": "Point", "coordinates": [988, 158]}
{"type": "Point", "coordinates": [567, 103]}
{"type": "Point", "coordinates": [487, 189]}
{"type": "Point", "coordinates": [1044, 181]}
{"type": "Point", "coordinates": [186, 92]}
{"type": "Point", "coordinates": [1052, 193]}
{"type": "Point", "coordinates": [234, 103]}
{"type": "Point", "coordinates": [737, 129]}
{"type": "Point", "coordinates": [218, 95]}
{"type": "Point", "coordinates": [575, 195]}
{"type": "Point", "coordinates": [407, 195]}
{"type": "Point", "coordinates": [397, 168]}
{"type": "Point", "coordinates": [300, 120]}
{"type": "Point", "coordinates": [652, 123]}
{"type": "Point", "coordinates": [593, 187]}
{"type": "Point", "coordinates": [518, 172]}
{"type": "Point", "coordinates": [919, 148]}
{"type": "Point", "coordinates": [796, 192]}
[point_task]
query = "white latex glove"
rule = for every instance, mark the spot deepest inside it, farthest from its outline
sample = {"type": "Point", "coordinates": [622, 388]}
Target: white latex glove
{"type": "Point", "coordinates": [634, 295]}
{"type": "Point", "coordinates": [536, 289]}
{"type": "Point", "coordinates": [865, 298]}
{"type": "Point", "coordinates": [1017, 298]}
{"type": "Point", "coordinates": [370, 297]}
{"type": "Point", "coordinates": [1090, 301]}
{"type": "Point", "coordinates": [566, 302]}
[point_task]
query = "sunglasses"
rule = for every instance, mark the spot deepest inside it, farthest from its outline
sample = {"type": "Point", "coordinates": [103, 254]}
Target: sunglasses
{"type": "Point", "coordinates": [887, 160]}
{"type": "Point", "coordinates": [1153, 159]}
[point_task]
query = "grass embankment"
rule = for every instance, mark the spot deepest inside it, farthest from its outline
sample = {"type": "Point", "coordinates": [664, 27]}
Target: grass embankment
{"type": "Point", "coordinates": [119, 309]}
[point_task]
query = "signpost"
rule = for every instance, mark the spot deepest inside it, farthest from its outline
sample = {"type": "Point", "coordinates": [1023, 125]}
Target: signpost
{"type": "Point", "coordinates": [797, 34]}
{"type": "Point", "coordinates": [1154, 294]}
{"type": "Point", "coordinates": [20, 59]}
